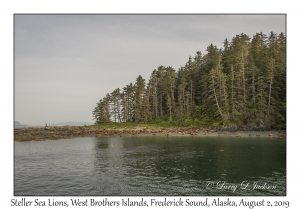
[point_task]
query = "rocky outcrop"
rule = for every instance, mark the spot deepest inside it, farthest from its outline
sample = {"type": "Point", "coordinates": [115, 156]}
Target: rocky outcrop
{"type": "Point", "coordinates": [65, 132]}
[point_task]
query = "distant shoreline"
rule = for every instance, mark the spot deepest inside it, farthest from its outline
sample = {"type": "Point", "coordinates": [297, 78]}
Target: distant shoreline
{"type": "Point", "coordinates": [66, 132]}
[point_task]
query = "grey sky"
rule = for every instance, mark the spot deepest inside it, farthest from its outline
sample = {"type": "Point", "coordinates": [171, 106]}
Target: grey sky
{"type": "Point", "coordinates": [65, 63]}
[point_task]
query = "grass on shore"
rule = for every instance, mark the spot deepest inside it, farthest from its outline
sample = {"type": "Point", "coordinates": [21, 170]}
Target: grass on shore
{"type": "Point", "coordinates": [132, 125]}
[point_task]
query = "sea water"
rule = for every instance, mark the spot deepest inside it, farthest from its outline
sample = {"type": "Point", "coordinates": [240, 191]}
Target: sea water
{"type": "Point", "coordinates": [151, 166]}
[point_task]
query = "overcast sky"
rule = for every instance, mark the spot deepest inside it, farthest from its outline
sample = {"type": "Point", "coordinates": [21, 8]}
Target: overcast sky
{"type": "Point", "coordinates": [65, 63]}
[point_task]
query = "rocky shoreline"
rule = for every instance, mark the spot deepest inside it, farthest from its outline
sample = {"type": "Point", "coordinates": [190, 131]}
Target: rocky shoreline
{"type": "Point", "coordinates": [67, 132]}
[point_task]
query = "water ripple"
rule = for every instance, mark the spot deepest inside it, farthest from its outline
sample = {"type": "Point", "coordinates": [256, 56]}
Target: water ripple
{"type": "Point", "coordinates": [148, 166]}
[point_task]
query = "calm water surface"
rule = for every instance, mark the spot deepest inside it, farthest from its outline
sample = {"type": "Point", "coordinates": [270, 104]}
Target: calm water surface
{"type": "Point", "coordinates": [150, 166]}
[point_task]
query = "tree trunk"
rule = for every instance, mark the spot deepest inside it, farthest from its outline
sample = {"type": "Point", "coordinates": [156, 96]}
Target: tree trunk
{"type": "Point", "coordinates": [216, 96]}
{"type": "Point", "coordinates": [270, 89]}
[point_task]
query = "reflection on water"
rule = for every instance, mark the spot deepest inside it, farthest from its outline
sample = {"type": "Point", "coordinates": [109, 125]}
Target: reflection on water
{"type": "Point", "coordinates": [150, 166]}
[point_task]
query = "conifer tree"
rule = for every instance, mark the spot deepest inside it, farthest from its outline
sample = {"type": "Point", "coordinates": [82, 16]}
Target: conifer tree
{"type": "Point", "coordinates": [243, 83]}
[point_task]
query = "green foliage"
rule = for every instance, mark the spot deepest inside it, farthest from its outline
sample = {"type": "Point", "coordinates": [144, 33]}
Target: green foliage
{"type": "Point", "coordinates": [242, 84]}
{"type": "Point", "coordinates": [216, 124]}
{"type": "Point", "coordinates": [188, 122]}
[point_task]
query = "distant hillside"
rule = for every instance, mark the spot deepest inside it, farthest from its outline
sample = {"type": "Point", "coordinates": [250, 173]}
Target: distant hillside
{"type": "Point", "coordinates": [18, 124]}
{"type": "Point", "coordinates": [73, 123]}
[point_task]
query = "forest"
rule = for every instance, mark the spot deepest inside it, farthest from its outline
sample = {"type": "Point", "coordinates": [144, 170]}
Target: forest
{"type": "Point", "coordinates": [241, 84]}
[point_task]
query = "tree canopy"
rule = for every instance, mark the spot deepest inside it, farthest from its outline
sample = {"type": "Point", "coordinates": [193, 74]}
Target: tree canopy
{"type": "Point", "coordinates": [243, 83]}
